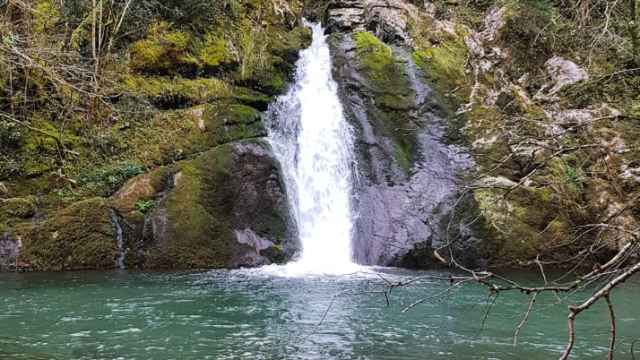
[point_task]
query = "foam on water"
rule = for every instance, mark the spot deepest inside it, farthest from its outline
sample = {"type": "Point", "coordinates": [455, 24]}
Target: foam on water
{"type": "Point", "coordinates": [315, 145]}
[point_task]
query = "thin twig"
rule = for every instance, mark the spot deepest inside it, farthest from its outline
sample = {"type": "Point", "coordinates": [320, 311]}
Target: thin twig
{"type": "Point", "coordinates": [526, 316]}
{"type": "Point", "coordinates": [612, 345]}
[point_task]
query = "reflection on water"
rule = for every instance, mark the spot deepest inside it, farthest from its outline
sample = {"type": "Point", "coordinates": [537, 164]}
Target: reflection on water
{"type": "Point", "coordinates": [251, 314]}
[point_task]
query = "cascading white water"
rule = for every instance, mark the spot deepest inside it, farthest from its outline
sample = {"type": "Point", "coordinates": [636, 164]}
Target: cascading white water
{"type": "Point", "coordinates": [314, 144]}
{"type": "Point", "coordinates": [118, 232]}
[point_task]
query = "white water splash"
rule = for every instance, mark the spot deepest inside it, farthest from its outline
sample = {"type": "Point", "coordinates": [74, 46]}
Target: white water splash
{"type": "Point", "coordinates": [314, 144]}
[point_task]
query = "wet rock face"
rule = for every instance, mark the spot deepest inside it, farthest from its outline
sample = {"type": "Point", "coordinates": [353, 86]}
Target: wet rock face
{"type": "Point", "coordinates": [404, 171]}
{"type": "Point", "coordinates": [387, 19]}
{"type": "Point", "coordinates": [9, 250]}
{"type": "Point", "coordinates": [228, 208]}
{"type": "Point", "coordinates": [148, 189]}
{"type": "Point", "coordinates": [248, 247]}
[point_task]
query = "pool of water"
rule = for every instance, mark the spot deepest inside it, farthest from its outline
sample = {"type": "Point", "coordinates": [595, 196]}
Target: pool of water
{"type": "Point", "coordinates": [254, 314]}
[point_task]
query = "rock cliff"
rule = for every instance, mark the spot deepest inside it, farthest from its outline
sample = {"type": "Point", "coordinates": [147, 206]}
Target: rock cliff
{"type": "Point", "coordinates": [488, 133]}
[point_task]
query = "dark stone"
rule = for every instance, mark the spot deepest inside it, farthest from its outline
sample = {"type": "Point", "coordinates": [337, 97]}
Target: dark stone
{"type": "Point", "coordinates": [504, 99]}
{"type": "Point", "coordinates": [405, 171]}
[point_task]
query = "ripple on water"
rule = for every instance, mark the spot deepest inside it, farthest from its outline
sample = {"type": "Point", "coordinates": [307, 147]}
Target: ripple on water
{"type": "Point", "coordinates": [224, 314]}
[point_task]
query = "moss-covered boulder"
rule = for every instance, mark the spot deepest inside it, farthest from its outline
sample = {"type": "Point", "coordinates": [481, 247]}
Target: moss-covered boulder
{"type": "Point", "coordinates": [228, 208]}
{"type": "Point", "coordinates": [133, 202]}
{"type": "Point", "coordinates": [81, 236]}
{"type": "Point", "coordinates": [15, 210]}
{"type": "Point", "coordinates": [225, 209]}
{"type": "Point", "coordinates": [18, 207]}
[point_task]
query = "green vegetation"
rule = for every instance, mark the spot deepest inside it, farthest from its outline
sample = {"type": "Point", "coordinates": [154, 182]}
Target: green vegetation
{"type": "Point", "coordinates": [79, 237]}
{"type": "Point", "coordinates": [92, 95]}
{"type": "Point", "coordinates": [393, 91]}
{"type": "Point", "coordinates": [145, 206]}
{"type": "Point", "coordinates": [80, 117]}
{"type": "Point", "coordinates": [162, 51]}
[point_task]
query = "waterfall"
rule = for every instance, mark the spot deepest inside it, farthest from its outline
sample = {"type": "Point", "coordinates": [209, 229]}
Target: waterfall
{"type": "Point", "coordinates": [314, 144]}
{"type": "Point", "coordinates": [118, 231]}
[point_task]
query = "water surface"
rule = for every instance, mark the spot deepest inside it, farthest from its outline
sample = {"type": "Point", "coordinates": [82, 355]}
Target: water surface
{"type": "Point", "coordinates": [128, 314]}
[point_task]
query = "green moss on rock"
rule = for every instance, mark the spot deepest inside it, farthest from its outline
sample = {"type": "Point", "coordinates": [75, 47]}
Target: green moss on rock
{"type": "Point", "coordinates": [214, 52]}
{"type": "Point", "coordinates": [445, 65]}
{"type": "Point", "coordinates": [388, 76]}
{"type": "Point", "coordinates": [196, 238]}
{"type": "Point", "coordinates": [78, 237]}
{"type": "Point", "coordinates": [254, 99]}
{"type": "Point", "coordinates": [519, 224]}
{"type": "Point", "coordinates": [178, 92]}
{"type": "Point", "coordinates": [230, 122]}
{"type": "Point", "coordinates": [220, 123]}
{"type": "Point", "coordinates": [231, 188]}
{"type": "Point", "coordinates": [163, 52]}
{"type": "Point", "coordinates": [22, 208]}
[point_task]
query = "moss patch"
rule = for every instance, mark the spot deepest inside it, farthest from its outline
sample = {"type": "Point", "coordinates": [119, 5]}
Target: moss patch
{"type": "Point", "coordinates": [444, 64]}
{"type": "Point", "coordinates": [390, 80]}
{"type": "Point", "coordinates": [163, 52]}
{"type": "Point", "coordinates": [232, 187]}
{"type": "Point", "coordinates": [78, 237]}
{"type": "Point", "coordinates": [220, 123]}
{"type": "Point", "coordinates": [22, 208]}
{"type": "Point", "coordinates": [198, 239]}
{"type": "Point", "coordinates": [178, 92]}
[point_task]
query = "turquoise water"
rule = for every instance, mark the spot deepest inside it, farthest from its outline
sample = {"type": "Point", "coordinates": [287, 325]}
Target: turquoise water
{"type": "Point", "coordinates": [252, 315]}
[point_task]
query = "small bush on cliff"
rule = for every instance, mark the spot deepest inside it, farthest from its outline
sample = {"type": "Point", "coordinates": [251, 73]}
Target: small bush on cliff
{"type": "Point", "coordinates": [528, 29]}
{"type": "Point", "coordinates": [145, 206]}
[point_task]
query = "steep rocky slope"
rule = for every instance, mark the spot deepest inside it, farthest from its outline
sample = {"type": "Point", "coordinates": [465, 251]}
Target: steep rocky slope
{"type": "Point", "coordinates": [553, 163]}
